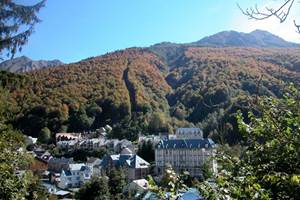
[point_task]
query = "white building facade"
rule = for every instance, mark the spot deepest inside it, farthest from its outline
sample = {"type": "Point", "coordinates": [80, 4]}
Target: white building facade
{"type": "Point", "coordinates": [185, 155]}
{"type": "Point", "coordinates": [75, 176]}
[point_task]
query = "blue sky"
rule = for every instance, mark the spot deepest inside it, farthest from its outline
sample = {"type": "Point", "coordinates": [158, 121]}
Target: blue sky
{"type": "Point", "coordinates": [72, 30]}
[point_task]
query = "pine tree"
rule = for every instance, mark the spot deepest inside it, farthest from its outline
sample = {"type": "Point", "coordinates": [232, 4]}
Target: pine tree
{"type": "Point", "coordinates": [16, 25]}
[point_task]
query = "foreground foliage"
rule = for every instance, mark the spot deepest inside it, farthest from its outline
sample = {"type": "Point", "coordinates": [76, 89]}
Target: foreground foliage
{"type": "Point", "coordinates": [16, 181]}
{"type": "Point", "coordinates": [269, 168]}
{"type": "Point", "coordinates": [269, 165]}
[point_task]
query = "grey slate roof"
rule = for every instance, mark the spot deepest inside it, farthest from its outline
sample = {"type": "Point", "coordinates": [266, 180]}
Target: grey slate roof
{"type": "Point", "coordinates": [75, 167]}
{"type": "Point", "coordinates": [120, 160]}
{"type": "Point", "coordinates": [186, 144]}
{"type": "Point", "coordinates": [62, 160]}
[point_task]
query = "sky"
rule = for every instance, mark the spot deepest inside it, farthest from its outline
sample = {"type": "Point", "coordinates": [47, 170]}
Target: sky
{"type": "Point", "coordinates": [72, 30]}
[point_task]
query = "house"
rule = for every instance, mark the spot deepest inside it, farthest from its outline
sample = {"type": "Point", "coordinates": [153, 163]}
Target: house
{"type": "Point", "coordinates": [121, 144]}
{"type": "Point", "coordinates": [185, 155]}
{"type": "Point", "coordinates": [38, 152]}
{"type": "Point", "coordinates": [58, 164]}
{"type": "Point", "coordinates": [108, 128]}
{"type": "Point", "coordinates": [45, 157]}
{"type": "Point", "coordinates": [91, 144]}
{"type": "Point", "coordinates": [60, 194]}
{"type": "Point", "coordinates": [154, 139]}
{"type": "Point", "coordinates": [117, 146]}
{"type": "Point", "coordinates": [54, 178]}
{"type": "Point", "coordinates": [67, 136]}
{"type": "Point", "coordinates": [30, 140]}
{"type": "Point", "coordinates": [139, 186]}
{"type": "Point", "coordinates": [111, 144]}
{"type": "Point", "coordinates": [40, 162]}
{"type": "Point", "coordinates": [134, 166]}
{"type": "Point", "coordinates": [74, 176]}
{"type": "Point", "coordinates": [67, 144]}
{"type": "Point", "coordinates": [95, 165]}
{"type": "Point", "coordinates": [189, 133]}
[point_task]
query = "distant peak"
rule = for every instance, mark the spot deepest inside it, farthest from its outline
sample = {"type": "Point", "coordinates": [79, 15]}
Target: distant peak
{"type": "Point", "coordinates": [257, 38]}
{"type": "Point", "coordinates": [23, 58]}
{"type": "Point", "coordinates": [261, 32]}
{"type": "Point", "coordinates": [24, 64]}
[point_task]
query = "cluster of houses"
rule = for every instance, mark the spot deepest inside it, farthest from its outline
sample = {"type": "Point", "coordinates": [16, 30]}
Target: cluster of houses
{"type": "Point", "coordinates": [186, 150]}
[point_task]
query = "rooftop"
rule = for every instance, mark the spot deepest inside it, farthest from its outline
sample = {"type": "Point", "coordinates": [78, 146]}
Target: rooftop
{"type": "Point", "coordinates": [186, 144]}
{"type": "Point", "coordinates": [130, 160]}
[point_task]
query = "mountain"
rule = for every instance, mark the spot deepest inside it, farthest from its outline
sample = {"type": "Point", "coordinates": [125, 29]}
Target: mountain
{"type": "Point", "coordinates": [24, 64]}
{"type": "Point", "coordinates": [151, 90]}
{"type": "Point", "coordinates": [257, 38]}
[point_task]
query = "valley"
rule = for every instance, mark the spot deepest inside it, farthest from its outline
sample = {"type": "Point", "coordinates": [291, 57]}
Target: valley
{"type": "Point", "coordinates": [159, 88]}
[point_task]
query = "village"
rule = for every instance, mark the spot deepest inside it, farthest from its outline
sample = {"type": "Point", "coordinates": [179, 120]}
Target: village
{"type": "Point", "coordinates": [184, 151]}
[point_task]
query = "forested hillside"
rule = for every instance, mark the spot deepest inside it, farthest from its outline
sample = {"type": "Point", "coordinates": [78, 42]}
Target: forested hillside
{"type": "Point", "coordinates": [151, 90]}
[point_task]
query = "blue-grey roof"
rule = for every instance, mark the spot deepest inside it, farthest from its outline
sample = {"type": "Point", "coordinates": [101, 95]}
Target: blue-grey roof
{"type": "Point", "coordinates": [120, 160]}
{"type": "Point", "coordinates": [186, 144]}
{"type": "Point", "coordinates": [150, 196]}
{"type": "Point", "coordinates": [191, 194]}
{"type": "Point", "coordinates": [75, 167]}
{"type": "Point", "coordinates": [61, 160]}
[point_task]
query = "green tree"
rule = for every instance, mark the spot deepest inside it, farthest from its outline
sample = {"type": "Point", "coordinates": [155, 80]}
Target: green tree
{"type": "Point", "coordinates": [44, 136]}
{"type": "Point", "coordinates": [170, 186]}
{"type": "Point", "coordinates": [146, 151]}
{"type": "Point", "coordinates": [96, 189]}
{"type": "Point", "coordinates": [79, 120]}
{"type": "Point", "coordinates": [207, 171]}
{"type": "Point", "coordinates": [116, 181]}
{"type": "Point", "coordinates": [272, 155]}
{"type": "Point", "coordinates": [158, 122]}
{"type": "Point", "coordinates": [12, 184]}
{"type": "Point", "coordinates": [17, 24]}
{"type": "Point", "coordinates": [269, 166]}
{"type": "Point", "coordinates": [127, 128]}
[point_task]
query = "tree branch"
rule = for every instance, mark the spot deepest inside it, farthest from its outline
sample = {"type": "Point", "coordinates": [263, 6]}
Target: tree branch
{"type": "Point", "coordinates": [281, 13]}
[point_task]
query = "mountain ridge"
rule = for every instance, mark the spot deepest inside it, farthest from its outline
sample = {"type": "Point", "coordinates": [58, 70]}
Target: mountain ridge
{"type": "Point", "coordinates": [257, 38]}
{"type": "Point", "coordinates": [152, 90]}
{"type": "Point", "coordinates": [24, 64]}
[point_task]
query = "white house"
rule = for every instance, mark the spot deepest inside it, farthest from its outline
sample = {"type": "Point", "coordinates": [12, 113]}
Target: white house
{"type": "Point", "coordinates": [75, 176]}
{"type": "Point", "coordinates": [134, 166]}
